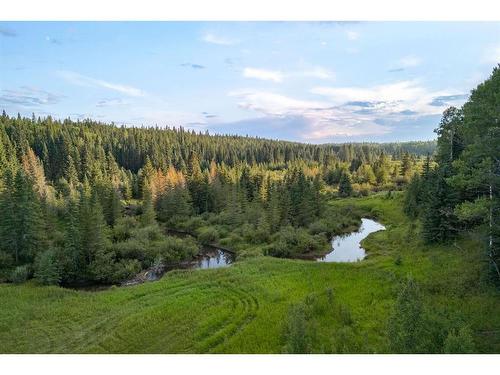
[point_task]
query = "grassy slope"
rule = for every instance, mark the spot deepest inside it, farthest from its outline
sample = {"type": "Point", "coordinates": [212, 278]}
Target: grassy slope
{"type": "Point", "coordinates": [242, 309]}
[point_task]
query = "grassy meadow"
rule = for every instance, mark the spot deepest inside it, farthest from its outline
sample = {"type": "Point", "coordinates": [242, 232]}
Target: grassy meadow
{"type": "Point", "coordinates": [249, 307]}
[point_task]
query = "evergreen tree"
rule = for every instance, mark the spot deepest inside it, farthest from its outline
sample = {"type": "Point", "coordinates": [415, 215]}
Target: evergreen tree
{"type": "Point", "coordinates": [72, 257]}
{"type": "Point", "coordinates": [94, 232]}
{"type": "Point", "coordinates": [345, 187]}
{"type": "Point", "coordinates": [21, 220]}
{"type": "Point", "coordinates": [174, 205]}
{"type": "Point", "coordinates": [439, 222]}
{"type": "Point", "coordinates": [148, 215]}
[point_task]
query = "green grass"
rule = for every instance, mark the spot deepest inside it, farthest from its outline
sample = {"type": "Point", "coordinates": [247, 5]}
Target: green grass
{"type": "Point", "coordinates": [244, 308]}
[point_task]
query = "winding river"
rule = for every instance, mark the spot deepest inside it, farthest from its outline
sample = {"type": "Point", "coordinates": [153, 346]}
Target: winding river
{"type": "Point", "coordinates": [347, 247]}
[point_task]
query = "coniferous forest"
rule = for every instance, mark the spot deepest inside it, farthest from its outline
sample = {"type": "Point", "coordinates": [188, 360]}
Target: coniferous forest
{"type": "Point", "coordinates": [87, 206]}
{"type": "Point", "coordinates": [91, 202]}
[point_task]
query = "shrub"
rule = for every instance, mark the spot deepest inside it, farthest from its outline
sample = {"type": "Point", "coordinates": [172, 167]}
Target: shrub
{"type": "Point", "coordinates": [20, 274]}
{"type": "Point", "coordinates": [208, 235]}
{"type": "Point", "coordinates": [291, 242]}
{"type": "Point", "coordinates": [126, 269]}
{"type": "Point", "coordinates": [251, 234]}
{"type": "Point", "coordinates": [102, 266]}
{"type": "Point", "coordinates": [174, 249]}
{"type": "Point", "coordinates": [124, 227]}
{"type": "Point", "coordinates": [47, 268]}
{"type": "Point", "coordinates": [133, 248]}
{"type": "Point", "coordinates": [193, 224]}
{"type": "Point", "coordinates": [319, 226]}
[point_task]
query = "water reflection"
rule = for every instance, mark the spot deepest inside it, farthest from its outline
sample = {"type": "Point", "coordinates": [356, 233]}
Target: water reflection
{"type": "Point", "coordinates": [347, 247]}
{"type": "Point", "coordinates": [213, 258]}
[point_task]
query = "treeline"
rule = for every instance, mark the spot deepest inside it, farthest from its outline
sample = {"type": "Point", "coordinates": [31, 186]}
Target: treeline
{"type": "Point", "coordinates": [60, 143]}
{"type": "Point", "coordinates": [463, 191]}
{"type": "Point", "coordinates": [84, 202]}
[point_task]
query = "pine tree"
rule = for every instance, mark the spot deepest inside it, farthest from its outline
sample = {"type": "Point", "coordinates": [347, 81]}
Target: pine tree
{"type": "Point", "coordinates": [345, 187]}
{"type": "Point", "coordinates": [439, 222]}
{"type": "Point", "coordinates": [174, 205]}
{"type": "Point", "coordinates": [73, 259]}
{"type": "Point", "coordinates": [148, 216]}
{"type": "Point", "coordinates": [21, 220]}
{"type": "Point", "coordinates": [94, 232]}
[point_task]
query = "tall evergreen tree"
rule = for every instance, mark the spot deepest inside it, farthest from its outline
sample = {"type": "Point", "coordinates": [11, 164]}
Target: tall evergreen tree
{"type": "Point", "coordinates": [345, 187]}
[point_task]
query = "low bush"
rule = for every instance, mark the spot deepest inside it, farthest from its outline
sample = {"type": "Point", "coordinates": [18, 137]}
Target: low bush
{"type": "Point", "coordinates": [207, 235]}
{"type": "Point", "coordinates": [126, 269]}
{"type": "Point", "coordinates": [289, 242]}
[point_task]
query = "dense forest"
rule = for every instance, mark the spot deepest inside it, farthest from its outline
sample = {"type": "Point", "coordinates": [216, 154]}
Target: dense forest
{"type": "Point", "coordinates": [462, 192]}
{"type": "Point", "coordinates": [86, 202]}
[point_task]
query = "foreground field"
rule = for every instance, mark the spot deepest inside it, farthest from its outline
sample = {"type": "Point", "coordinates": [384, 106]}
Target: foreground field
{"type": "Point", "coordinates": [246, 308]}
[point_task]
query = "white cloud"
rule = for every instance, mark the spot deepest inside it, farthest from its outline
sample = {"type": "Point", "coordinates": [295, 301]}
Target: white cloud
{"type": "Point", "coordinates": [216, 39]}
{"type": "Point", "coordinates": [350, 111]}
{"type": "Point", "coordinates": [272, 104]}
{"type": "Point", "coordinates": [318, 118]}
{"type": "Point", "coordinates": [263, 74]}
{"type": "Point", "coordinates": [387, 99]}
{"type": "Point", "coordinates": [409, 61]}
{"type": "Point", "coordinates": [278, 76]}
{"type": "Point", "coordinates": [352, 35]}
{"type": "Point", "coordinates": [81, 80]}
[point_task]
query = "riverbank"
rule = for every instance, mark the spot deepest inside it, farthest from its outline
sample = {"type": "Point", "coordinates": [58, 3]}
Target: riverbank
{"type": "Point", "coordinates": [246, 307]}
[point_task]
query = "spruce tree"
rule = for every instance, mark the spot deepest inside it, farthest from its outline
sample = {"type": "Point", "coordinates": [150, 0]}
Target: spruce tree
{"type": "Point", "coordinates": [148, 216]}
{"type": "Point", "coordinates": [345, 187]}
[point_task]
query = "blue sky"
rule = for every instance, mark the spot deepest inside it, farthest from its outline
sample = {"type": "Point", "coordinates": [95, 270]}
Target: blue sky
{"type": "Point", "coordinates": [313, 82]}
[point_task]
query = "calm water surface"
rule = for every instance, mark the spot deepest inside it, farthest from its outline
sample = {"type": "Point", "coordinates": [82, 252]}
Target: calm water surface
{"type": "Point", "coordinates": [213, 258]}
{"type": "Point", "coordinates": [347, 247]}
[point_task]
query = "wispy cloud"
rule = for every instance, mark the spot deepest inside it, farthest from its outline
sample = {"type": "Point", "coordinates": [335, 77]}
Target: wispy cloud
{"type": "Point", "coordinates": [194, 66]}
{"type": "Point", "coordinates": [209, 115]}
{"type": "Point", "coordinates": [29, 97]}
{"type": "Point", "coordinates": [217, 39]}
{"type": "Point", "coordinates": [81, 80]}
{"type": "Point", "coordinates": [263, 74]}
{"type": "Point", "coordinates": [110, 102]}
{"type": "Point", "coordinates": [7, 32]}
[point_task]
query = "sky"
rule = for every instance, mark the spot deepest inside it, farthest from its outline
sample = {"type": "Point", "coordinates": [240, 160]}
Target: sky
{"type": "Point", "coordinates": [315, 82]}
